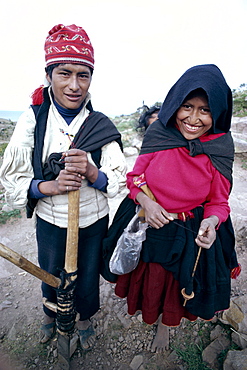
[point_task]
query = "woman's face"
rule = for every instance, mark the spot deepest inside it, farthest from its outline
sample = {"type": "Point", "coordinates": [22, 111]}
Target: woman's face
{"type": "Point", "coordinates": [194, 117]}
{"type": "Point", "coordinates": [153, 118]}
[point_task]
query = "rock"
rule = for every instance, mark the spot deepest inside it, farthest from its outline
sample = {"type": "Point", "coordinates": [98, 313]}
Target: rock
{"type": "Point", "coordinates": [236, 360]}
{"type": "Point", "coordinates": [239, 144]}
{"type": "Point", "coordinates": [126, 323]}
{"type": "Point", "coordinates": [13, 332]}
{"type": "Point", "coordinates": [211, 352]}
{"type": "Point", "coordinates": [139, 317]}
{"type": "Point", "coordinates": [239, 223]}
{"type": "Point", "coordinates": [5, 304]}
{"type": "Point", "coordinates": [136, 362]}
{"type": "Point", "coordinates": [129, 151]}
{"type": "Point", "coordinates": [121, 367]}
{"type": "Point", "coordinates": [173, 357]}
{"type": "Point", "coordinates": [240, 339]}
{"type": "Point", "coordinates": [236, 316]}
{"type": "Point", "coordinates": [137, 143]}
{"type": "Point", "coordinates": [239, 125]}
{"type": "Point", "coordinates": [73, 343]}
{"type": "Point", "coordinates": [239, 134]}
{"type": "Point", "coordinates": [216, 332]}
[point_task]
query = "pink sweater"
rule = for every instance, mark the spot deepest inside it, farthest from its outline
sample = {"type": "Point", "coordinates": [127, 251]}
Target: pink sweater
{"type": "Point", "coordinates": [180, 182]}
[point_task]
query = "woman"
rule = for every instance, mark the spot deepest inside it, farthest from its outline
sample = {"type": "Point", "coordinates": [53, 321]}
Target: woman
{"type": "Point", "coordinates": [186, 161]}
{"type": "Point", "coordinates": [60, 145]}
{"type": "Point", "coordinates": [147, 118]}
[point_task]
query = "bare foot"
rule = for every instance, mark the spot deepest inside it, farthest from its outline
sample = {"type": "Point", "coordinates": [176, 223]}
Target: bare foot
{"type": "Point", "coordinates": [160, 343]}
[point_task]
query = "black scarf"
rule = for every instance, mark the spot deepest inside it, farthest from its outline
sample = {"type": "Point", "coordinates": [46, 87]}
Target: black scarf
{"type": "Point", "coordinates": [209, 78]}
{"type": "Point", "coordinates": [96, 131]}
{"type": "Point", "coordinates": [220, 150]}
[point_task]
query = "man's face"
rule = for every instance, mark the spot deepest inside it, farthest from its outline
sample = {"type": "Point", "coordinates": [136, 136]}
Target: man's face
{"type": "Point", "coordinates": [70, 84]}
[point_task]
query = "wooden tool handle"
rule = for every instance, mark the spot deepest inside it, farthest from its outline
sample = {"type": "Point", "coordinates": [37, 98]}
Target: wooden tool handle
{"type": "Point", "coordinates": [71, 254]}
{"type": "Point", "coordinates": [28, 266]}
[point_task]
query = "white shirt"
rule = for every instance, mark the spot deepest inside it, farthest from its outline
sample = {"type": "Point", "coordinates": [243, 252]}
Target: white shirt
{"type": "Point", "coordinates": [17, 171]}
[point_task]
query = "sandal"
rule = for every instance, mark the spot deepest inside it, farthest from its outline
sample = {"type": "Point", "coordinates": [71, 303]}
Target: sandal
{"type": "Point", "coordinates": [47, 332]}
{"type": "Point", "coordinates": [84, 335]}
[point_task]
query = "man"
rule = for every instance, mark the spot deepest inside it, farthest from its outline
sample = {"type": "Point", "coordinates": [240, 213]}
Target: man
{"type": "Point", "coordinates": [88, 158]}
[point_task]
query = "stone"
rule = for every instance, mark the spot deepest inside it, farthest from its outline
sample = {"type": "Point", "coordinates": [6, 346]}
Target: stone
{"type": "Point", "coordinates": [239, 134]}
{"type": "Point", "coordinates": [136, 362]}
{"type": "Point", "coordinates": [12, 333]}
{"type": "Point", "coordinates": [212, 351]}
{"type": "Point", "coordinates": [239, 125]}
{"type": "Point", "coordinates": [5, 304]}
{"type": "Point", "coordinates": [136, 142]}
{"type": "Point", "coordinates": [236, 315]}
{"type": "Point", "coordinates": [239, 223]}
{"type": "Point", "coordinates": [129, 151]}
{"type": "Point", "coordinates": [216, 332]}
{"type": "Point", "coordinates": [240, 339]}
{"type": "Point", "coordinates": [73, 343]}
{"type": "Point", "coordinates": [173, 357]}
{"type": "Point", "coordinates": [236, 360]}
{"type": "Point", "coordinates": [126, 323]}
{"type": "Point", "coordinates": [240, 145]}
{"type": "Point", "coordinates": [139, 317]}
{"type": "Point", "coordinates": [121, 366]}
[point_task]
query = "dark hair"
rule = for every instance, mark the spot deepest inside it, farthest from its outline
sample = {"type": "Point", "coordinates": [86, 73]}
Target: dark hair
{"type": "Point", "coordinates": [143, 120]}
{"type": "Point", "coordinates": [195, 93]}
{"type": "Point", "coordinates": [51, 67]}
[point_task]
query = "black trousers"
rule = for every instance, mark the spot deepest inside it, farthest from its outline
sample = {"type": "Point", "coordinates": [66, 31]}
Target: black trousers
{"type": "Point", "coordinates": [51, 241]}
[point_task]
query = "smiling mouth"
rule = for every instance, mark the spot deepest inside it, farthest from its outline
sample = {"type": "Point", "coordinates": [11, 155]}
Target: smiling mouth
{"type": "Point", "coordinates": [192, 128]}
{"type": "Point", "coordinates": [73, 96]}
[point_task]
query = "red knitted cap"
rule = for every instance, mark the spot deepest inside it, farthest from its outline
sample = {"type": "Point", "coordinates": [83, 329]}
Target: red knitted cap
{"type": "Point", "coordinates": [68, 44]}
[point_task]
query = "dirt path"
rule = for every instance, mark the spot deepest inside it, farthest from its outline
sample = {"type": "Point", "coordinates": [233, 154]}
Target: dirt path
{"type": "Point", "coordinates": [122, 340]}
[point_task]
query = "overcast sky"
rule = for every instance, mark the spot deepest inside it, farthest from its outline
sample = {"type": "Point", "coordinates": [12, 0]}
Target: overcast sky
{"type": "Point", "coordinates": [141, 46]}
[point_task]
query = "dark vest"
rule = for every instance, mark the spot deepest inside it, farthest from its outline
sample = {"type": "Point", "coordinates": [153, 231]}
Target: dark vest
{"type": "Point", "coordinates": [96, 131]}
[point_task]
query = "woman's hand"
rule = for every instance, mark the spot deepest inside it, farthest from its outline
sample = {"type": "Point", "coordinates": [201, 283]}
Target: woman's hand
{"type": "Point", "coordinates": [207, 234]}
{"type": "Point", "coordinates": [155, 215]}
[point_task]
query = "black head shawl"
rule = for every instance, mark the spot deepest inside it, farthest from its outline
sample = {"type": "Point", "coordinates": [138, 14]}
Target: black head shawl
{"type": "Point", "coordinates": [161, 135]}
{"type": "Point", "coordinates": [209, 78]}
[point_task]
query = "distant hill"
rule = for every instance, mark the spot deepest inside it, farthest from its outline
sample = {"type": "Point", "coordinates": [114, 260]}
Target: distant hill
{"type": "Point", "coordinates": [6, 129]}
{"type": "Point", "coordinates": [126, 124]}
{"type": "Point", "coordinates": [10, 115]}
